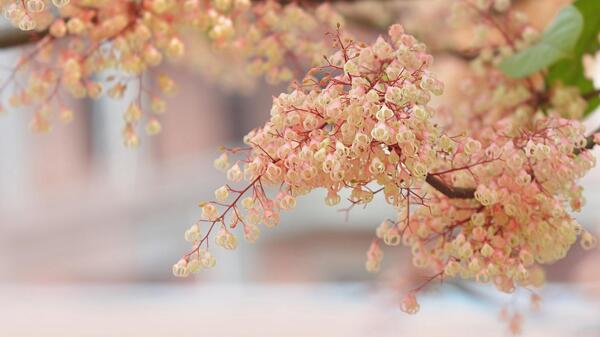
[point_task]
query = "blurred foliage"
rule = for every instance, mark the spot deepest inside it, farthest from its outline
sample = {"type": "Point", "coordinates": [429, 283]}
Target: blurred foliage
{"type": "Point", "coordinates": [570, 71]}
{"type": "Point", "coordinates": [557, 42]}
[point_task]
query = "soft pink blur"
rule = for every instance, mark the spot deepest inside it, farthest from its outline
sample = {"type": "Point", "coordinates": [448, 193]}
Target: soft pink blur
{"type": "Point", "coordinates": [89, 231]}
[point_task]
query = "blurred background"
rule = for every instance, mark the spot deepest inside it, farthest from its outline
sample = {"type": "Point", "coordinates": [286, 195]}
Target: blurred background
{"type": "Point", "coordinates": [89, 231]}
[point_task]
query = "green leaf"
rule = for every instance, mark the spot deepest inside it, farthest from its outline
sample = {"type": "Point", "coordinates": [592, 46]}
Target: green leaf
{"type": "Point", "coordinates": [570, 71]}
{"type": "Point", "coordinates": [557, 42]}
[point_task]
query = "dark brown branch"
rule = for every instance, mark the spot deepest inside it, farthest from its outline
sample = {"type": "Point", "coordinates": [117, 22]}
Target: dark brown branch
{"type": "Point", "coordinates": [591, 94]}
{"type": "Point", "coordinates": [463, 55]}
{"type": "Point", "coordinates": [590, 143]}
{"type": "Point", "coordinates": [13, 37]}
{"type": "Point", "coordinates": [469, 193]}
{"type": "Point", "coordinates": [450, 191]}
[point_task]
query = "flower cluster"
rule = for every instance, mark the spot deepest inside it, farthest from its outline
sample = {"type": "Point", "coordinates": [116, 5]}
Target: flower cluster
{"type": "Point", "coordinates": [519, 163]}
{"type": "Point", "coordinates": [489, 207]}
{"type": "Point", "coordinates": [519, 217]}
{"type": "Point", "coordinates": [91, 49]}
{"type": "Point", "coordinates": [486, 94]}
{"type": "Point", "coordinates": [367, 120]}
{"type": "Point", "coordinates": [279, 43]}
{"type": "Point", "coordinates": [487, 197]}
{"type": "Point", "coordinates": [110, 46]}
{"type": "Point", "coordinates": [29, 14]}
{"type": "Point", "coordinates": [279, 34]}
{"type": "Point", "coordinates": [360, 119]}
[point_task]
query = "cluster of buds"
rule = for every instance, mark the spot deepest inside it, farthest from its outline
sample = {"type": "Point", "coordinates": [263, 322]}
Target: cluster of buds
{"type": "Point", "coordinates": [367, 120]}
{"type": "Point", "coordinates": [362, 122]}
{"type": "Point", "coordinates": [28, 14]}
{"type": "Point", "coordinates": [490, 205]}
{"type": "Point", "coordinates": [520, 161]}
{"type": "Point", "coordinates": [185, 267]}
{"type": "Point", "coordinates": [110, 46]}
{"type": "Point", "coordinates": [278, 43]}
{"type": "Point", "coordinates": [506, 242]}
{"type": "Point", "coordinates": [92, 49]}
{"type": "Point", "coordinates": [280, 39]}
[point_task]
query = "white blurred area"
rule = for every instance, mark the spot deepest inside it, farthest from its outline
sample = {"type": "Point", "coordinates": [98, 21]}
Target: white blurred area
{"type": "Point", "coordinates": [89, 231]}
{"type": "Point", "coordinates": [300, 310]}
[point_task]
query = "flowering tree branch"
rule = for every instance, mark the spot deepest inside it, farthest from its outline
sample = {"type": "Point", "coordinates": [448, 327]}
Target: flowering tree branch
{"type": "Point", "coordinates": [12, 37]}
{"type": "Point", "coordinates": [469, 193]}
{"type": "Point", "coordinates": [361, 118]}
{"type": "Point", "coordinates": [590, 143]}
{"type": "Point", "coordinates": [450, 191]}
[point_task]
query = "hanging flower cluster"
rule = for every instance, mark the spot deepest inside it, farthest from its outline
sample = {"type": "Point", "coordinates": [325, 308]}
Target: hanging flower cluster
{"type": "Point", "coordinates": [487, 197]}
{"type": "Point", "coordinates": [524, 188]}
{"type": "Point", "coordinates": [110, 45]}
{"type": "Point", "coordinates": [519, 216]}
{"type": "Point", "coordinates": [215, 16]}
{"type": "Point", "coordinates": [492, 210]}
{"type": "Point", "coordinates": [93, 48]}
{"type": "Point", "coordinates": [487, 95]}
{"type": "Point", "coordinates": [514, 177]}
{"type": "Point", "coordinates": [280, 39]}
{"type": "Point", "coordinates": [279, 42]}
{"type": "Point", "coordinates": [30, 14]}
{"type": "Point", "coordinates": [365, 120]}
